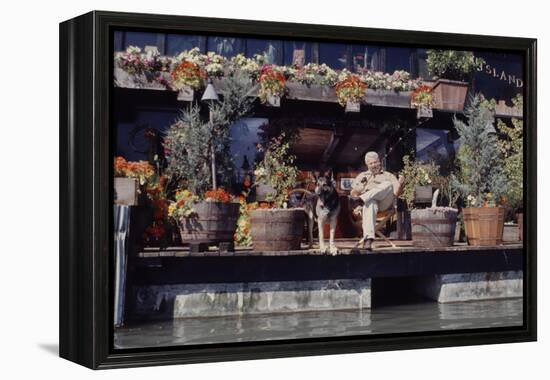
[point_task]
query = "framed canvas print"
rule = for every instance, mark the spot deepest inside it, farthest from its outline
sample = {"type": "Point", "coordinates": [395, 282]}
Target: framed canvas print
{"type": "Point", "coordinates": [235, 189]}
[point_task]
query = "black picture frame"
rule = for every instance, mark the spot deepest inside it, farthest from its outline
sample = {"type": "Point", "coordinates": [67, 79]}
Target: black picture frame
{"type": "Point", "coordinates": [86, 272]}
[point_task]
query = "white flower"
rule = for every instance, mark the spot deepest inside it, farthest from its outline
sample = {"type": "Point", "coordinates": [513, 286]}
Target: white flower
{"type": "Point", "coordinates": [259, 172]}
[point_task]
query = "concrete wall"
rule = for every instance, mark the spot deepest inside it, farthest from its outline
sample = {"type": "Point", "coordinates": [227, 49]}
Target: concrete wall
{"type": "Point", "coordinates": [472, 286]}
{"type": "Point", "coordinates": [193, 300]}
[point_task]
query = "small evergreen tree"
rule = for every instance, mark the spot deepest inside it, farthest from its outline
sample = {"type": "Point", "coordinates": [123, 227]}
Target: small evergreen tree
{"type": "Point", "coordinates": [480, 179]}
{"type": "Point", "coordinates": [189, 141]}
{"type": "Point", "coordinates": [511, 145]}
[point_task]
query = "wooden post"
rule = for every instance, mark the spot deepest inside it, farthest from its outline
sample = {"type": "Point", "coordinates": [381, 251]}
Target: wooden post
{"type": "Point", "coordinates": [212, 155]}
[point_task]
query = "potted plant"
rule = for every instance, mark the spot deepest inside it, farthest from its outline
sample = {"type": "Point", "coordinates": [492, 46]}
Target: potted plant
{"type": "Point", "coordinates": [511, 146]}
{"type": "Point", "coordinates": [430, 226]}
{"type": "Point", "coordinates": [452, 70]}
{"type": "Point", "coordinates": [418, 181]}
{"type": "Point", "coordinates": [277, 227]}
{"type": "Point", "coordinates": [480, 179]}
{"type": "Point", "coordinates": [272, 85]}
{"type": "Point", "coordinates": [186, 78]}
{"type": "Point", "coordinates": [211, 219]}
{"type": "Point", "coordinates": [130, 177]}
{"type": "Point", "coordinates": [198, 158]}
{"type": "Point", "coordinates": [422, 100]}
{"type": "Point", "coordinates": [350, 90]}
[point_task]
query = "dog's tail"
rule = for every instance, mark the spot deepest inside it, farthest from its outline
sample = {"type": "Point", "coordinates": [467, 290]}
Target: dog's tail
{"type": "Point", "coordinates": [305, 191]}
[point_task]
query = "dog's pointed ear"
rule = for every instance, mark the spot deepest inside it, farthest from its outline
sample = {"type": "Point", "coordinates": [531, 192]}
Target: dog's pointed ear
{"type": "Point", "coordinates": [329, 174]}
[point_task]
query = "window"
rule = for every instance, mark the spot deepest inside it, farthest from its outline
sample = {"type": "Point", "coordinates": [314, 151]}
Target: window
{"type": "Point", "coordinates": [270, 49]}
{"type": "Point", "coordinates": [225, 46]}
{"type": "Point", "coordinates": [142, 39]}
{"type": "Point", "coordinates": [398, 59]}
{"type": "Point", "coordinates": [365, 58]}
{"type": "Point", "coordinates": [434, 145]}
{"type": "Point", "coordinates": [295, 50]}
{"type": "Point", "coordinates": [334, 55]}
{"type": "Point", "coordinates": [176, 43]}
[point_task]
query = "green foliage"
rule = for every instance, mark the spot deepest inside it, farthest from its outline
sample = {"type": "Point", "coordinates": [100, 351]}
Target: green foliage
{"type": "Point", "coordinates": [189, 141]}
{"type": "Point", "coordinates": [511, 147]}
{"type": "Point", "coordinates": [277, 169]}
{"type": "Point", "coordinates": [480, 180]}
{"type": "Point", "coordinates": [416, 173]}
{"type": "Point", "coordinates": [452, 64]}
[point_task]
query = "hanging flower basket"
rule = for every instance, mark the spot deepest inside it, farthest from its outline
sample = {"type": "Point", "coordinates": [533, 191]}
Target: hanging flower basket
{"type": "Point", "coordinates": [423, 100]}
{"type": "Point", "coordinates": [353, 106]}
{"type": "Point", "coordinates": [424, 112]}
{"type": "Point", "coordinates": [274, 100]}
{"type": "Point", "coordinates": [350, 91]}
{"type": "Point", "coordinates": [186, 94]}
{"type": "Point", "coordinates": [272, 85]}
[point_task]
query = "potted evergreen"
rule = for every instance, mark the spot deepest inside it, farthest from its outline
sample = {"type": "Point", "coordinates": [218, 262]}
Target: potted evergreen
{"type": "Point", "coordinates": [480, 179]}
{"type": "Point", "coordinates": [452, 70]}
{"type": "Point", "coordinates": [199, 160]}
{"type": "Point", "coordinates": [511, 146]}
{"type": "Point", "coordinates": [275, 227]}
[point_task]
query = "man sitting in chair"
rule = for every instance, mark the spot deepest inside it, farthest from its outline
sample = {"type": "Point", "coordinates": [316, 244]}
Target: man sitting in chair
{"type": "Point", "coordinates": [378, 190]}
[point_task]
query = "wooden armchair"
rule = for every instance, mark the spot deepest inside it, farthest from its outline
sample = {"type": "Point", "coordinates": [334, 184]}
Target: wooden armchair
{"type": "Point", "coordinates": [382, 217]}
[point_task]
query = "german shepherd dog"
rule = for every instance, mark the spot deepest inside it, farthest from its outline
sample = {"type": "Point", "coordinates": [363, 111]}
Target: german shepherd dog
{"type": "Point", "coordinates": [324, 206]}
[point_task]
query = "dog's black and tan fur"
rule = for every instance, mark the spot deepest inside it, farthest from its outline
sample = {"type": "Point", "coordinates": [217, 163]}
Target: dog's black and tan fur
{"type": "Point", "coordinates": [323, 206]}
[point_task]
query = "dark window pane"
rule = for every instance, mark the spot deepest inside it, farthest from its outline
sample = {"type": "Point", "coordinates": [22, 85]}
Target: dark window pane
{"type": "Point", "coordinates": [142, 39]}
{"type": "Point", "coordinates": [434, 145]}
{"type": "Point", "coordinates": [422, 66]}
{"type": "Point", "coordinates": [118, 40]}
{"type": "Point", "coordinates": [270, 49]}
{"type": "Point", "coordinates": [334, 55]}
{"type": "Point", "coordinates": [295, 50]}
{"type": "Point", "coordinates": [225, 46]}
{"type": "Point", "coordinates": [398, 59]}
{"type": "Point", "coordinates": [365, 58]}
{"type": "Point", "coordinates": [176, 43]}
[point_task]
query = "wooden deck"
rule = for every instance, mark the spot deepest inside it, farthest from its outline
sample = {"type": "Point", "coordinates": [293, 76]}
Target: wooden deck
{"type": "Point", "coordinates": [345, 247]}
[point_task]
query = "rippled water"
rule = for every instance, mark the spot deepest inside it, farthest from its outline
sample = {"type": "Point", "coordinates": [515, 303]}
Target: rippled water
{"type": "Point", "coordinates": [428, 316]}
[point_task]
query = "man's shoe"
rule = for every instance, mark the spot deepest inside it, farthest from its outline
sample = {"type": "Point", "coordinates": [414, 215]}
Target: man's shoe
{"type": "Point", "coordinates": [367, 244]}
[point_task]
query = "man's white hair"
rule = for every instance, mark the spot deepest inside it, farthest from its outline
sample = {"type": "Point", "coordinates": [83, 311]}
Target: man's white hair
{"type": "Point", "coordinates": [371, 156]}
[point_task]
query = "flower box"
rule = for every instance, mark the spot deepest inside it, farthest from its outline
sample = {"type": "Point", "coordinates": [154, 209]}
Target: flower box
{"type": "Point", "coordinates": [449, 94]}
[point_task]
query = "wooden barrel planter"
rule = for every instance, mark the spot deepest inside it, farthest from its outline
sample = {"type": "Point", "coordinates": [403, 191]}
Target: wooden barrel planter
{"type": "Point", "coordinates": [212, 222]}
{"type": "Point", "coordinates": [433, 227]}
{"type": "Point", "coordinates": [484, 225]}
{"type": "Point", "coordinates": [520, 226]}
{"type": "Point", "coordinates": [277, 229]}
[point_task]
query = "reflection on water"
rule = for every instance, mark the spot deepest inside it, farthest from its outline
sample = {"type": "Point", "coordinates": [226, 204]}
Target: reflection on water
{"type": "Point", "coordinates": [390, 319]}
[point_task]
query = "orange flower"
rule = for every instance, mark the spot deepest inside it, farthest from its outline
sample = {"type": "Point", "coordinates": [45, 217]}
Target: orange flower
{"type": "Point", "coordinates": [218, 195]}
